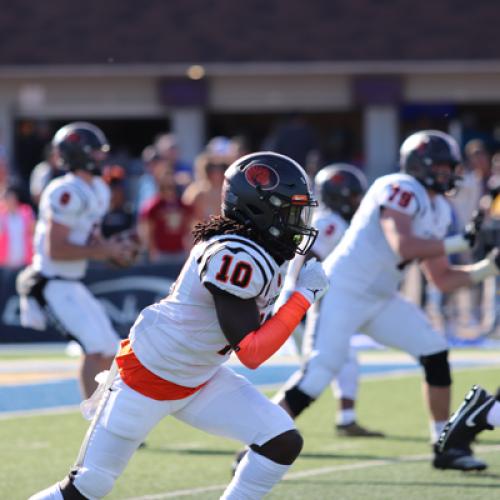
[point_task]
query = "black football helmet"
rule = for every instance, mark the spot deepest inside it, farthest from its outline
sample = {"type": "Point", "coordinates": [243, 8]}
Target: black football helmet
{"type": "Point", "coordinates": [421, 150]}
{"type": "Point", "coordinates": [81, 146]}
{"type": "Point", "coordinates": [271, 193]}
{"type": "Point", "coordinates": [340, 187]}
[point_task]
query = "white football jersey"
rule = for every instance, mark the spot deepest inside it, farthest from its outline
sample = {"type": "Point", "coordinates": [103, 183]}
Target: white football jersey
{"type": "Point", "coordinates": [70, 201]}
{"type": "Point", "coordinates": [331, 227]}
{"type": "Point", "coordinates": [363, 261]}
{"type": "Point", "coordinates": [180, 339]}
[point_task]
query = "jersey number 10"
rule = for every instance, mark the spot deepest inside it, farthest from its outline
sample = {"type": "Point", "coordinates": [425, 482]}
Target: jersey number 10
{"type": "Point", "coordinates": [239, 276]}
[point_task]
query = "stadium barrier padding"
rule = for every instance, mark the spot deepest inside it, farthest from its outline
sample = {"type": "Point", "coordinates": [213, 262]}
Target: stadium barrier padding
{"type": "Point", "coordinates": [123, 293]}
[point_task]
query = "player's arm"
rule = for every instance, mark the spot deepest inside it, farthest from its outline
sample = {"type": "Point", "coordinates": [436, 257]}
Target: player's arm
{"type": "Point", "coordinates": [448, 278]}
{"type": "Point", "coordinates": [239, 320]}
{"type": "Point", "coordinates": [398, 206]}
{"type": "Point", "coordinates": [59, 246]}
{"type": "Point", "coordinates": [238, 316]}
{"type": "Point", "coordinates": [397, 229]}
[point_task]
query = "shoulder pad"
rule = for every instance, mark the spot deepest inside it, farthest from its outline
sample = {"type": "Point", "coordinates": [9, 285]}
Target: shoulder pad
{"type": "Point", "coordinates": [236, 266]}
{"type": "Point", "coordinates": [65, 203]}
{"type": "Point", "coordinates": [331, 228]}
{"type": "Point", "coordinates": [402, 194]}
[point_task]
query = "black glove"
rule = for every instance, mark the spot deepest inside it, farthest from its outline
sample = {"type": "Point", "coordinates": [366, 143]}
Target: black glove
{"type": "Point", "coordinates": [473, 228]}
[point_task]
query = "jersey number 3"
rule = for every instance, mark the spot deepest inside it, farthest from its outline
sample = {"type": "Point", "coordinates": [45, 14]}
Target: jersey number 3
{"type": "Point", "coordinates": [404, 196]}
{"type": "Point", "coordinates": [240, 275]}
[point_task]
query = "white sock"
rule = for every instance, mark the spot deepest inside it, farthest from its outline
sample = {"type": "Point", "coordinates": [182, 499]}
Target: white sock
{"type": "Point", "coordinates": [436, 429]}
{"type": "Point", "coordinates": [255, 476]}
{"type": "Point", "coordinates": [493, 417]}
{"type": "Point", "coordinates": [51, 493]}
{"type": "Point", "coordinates": [345, 417]}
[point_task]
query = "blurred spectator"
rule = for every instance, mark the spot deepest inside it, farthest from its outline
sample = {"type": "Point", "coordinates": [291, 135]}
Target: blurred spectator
{"type": "Point", "coordinates": [167, 147]}
{"type": "Point", "coordinates": [494, 186]}
{"type": "Point", "coordinates": [467, 306]}
{"type": "Point", "coordinates": [218, 149]}
{"type": "Point", "coordinates": [238, 146]}
{"type": "Point", "coordinates": [43, 173]}
{"type": "Point", "coordinates": [4, 172]}
{"type": "Point", "coordinates": [148, 182]}
{"type": "Point", "coordinates": [120, 216]}
{"type": "Point", "coordinates": [294, 138]}
{"type": "Point", "coordinates": [164, 153]}
{"type": "Point", "coordinates": [204, 195]}
{"type": "Point", "coordinates": [477, 169]}
{"type": "Point", "coordinates": [165, 222]}
{"type": "Point", "coordinates": [30, 141]}
{"type": "Point", "coordinates": [17, 223]}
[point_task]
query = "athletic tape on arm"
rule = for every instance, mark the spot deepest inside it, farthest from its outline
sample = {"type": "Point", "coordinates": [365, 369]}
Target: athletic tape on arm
{"type": "Point", "coordinates": [261, 344]}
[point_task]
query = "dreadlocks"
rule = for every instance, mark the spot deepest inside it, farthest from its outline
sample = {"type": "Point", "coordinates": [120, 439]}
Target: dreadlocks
{"type": "Point", "coordinates": [216, 225]}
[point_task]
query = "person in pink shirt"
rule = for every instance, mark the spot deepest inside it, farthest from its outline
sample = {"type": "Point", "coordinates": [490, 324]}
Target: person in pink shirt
{"type": "Point", "coordinates": [17, 222]}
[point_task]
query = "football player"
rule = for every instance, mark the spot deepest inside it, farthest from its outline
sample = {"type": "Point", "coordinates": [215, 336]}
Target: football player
{"type": "Point", "coordinates": [70, 208]}
{"type": "Point", "coordinates": [340, 188]}
{"type": "Point", "coordinates": [478, 412]}
{"type": "Point", "coordinates": [172, 363]}
{"type": "Point", "coordinates": [403, 217]}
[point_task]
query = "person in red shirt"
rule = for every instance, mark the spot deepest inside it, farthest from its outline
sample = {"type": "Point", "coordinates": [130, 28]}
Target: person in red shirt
{"type": "Point", "coordinates": [165, 222]}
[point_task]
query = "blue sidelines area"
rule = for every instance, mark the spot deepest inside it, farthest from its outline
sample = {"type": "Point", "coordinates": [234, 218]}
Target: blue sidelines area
{"type": "Point", "coordinates": [59, 393]}
{"type": "Point", "coordinates": [66, 392]}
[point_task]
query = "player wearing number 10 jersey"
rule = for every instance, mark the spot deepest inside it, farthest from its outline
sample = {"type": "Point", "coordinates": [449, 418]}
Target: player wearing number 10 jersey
{"type": "Point", "coordinates": [171, 364]}
{"type": "Point", "coordinates": [403, 217]}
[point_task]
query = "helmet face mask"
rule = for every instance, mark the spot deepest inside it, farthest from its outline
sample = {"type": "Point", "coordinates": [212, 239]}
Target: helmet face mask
{"type": "Point", "coordinates": [271, 193]}
{"type": "Point", "coordinates": [341, 187]}
{"type": "Point", "coordinates": [81, 146]}
{"type": "Point", "coordinates": [296, 218]}
{"type": "Point", "coordinates": [424, 153]}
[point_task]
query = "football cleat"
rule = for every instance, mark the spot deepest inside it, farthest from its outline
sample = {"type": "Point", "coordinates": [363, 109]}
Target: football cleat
{"type": "Point", "coordinates": [355, 430]}
{"type": "Point", "coordinates": [457, 459]}
{"type": "Point", "coordinates": [467, 421]}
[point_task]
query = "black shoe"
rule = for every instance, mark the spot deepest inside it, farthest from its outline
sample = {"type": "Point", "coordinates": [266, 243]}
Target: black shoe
{"type": "Point", "coordinates": [457, 459]}
{"type": "Point", "coordinates": [355, 430]}
{"type": "Point", "coordinates": [467, 421]}
{"type": "Point", "coordinates": [237, 459]}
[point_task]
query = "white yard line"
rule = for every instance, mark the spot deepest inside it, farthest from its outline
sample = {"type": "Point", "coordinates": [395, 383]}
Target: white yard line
{"type": "Point", "coordinates": [38, 412]}
{"type": "Point", "coordinates": [309, 473]}
{"type": "Point", "coordinates": [368, 377]}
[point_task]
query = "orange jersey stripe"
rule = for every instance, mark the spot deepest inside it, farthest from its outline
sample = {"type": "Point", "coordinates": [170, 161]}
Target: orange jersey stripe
{"type": "Point", "coordinates": [145, 382]}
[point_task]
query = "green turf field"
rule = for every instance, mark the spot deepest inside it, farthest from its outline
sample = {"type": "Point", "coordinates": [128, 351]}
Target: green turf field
{"type": "Point", "coordinates": [180, 462]}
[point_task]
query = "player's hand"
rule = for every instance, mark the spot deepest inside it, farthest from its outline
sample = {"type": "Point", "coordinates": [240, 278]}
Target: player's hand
{"type": "Point", "coordinates": [128, 245]}
{"type": "Point", "coordinates": [122, 249]}
{"type": "Point", "coordinates": [473, 228]}
{"type": "Point", "coordinates": [312, 281]}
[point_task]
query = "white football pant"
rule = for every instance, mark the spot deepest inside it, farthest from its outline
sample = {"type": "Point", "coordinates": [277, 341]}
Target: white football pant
{"type": "Point", "coordinates": [228, 406]}
{"type": "Point", "coordinates": [79, 313]}
{"type": "Point", "coordinates": [394, 322]}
